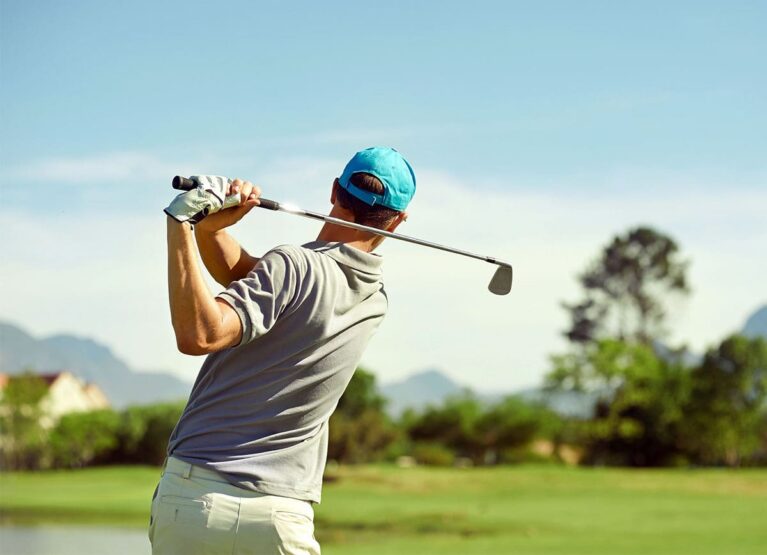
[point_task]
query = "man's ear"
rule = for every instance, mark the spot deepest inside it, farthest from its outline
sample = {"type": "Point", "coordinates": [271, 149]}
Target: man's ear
{"type": "Point", "coordinates": [398, 219]}
{"type": "Point", "coordinates": [333, 191]}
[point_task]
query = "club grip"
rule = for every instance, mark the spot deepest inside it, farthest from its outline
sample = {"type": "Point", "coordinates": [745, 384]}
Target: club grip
{"type": "Point", "coordinates": [186, 184]}
{"type": "Point", "coordinates": [268, 204]}
{"type": "Point", "coordinates": [183, 183]}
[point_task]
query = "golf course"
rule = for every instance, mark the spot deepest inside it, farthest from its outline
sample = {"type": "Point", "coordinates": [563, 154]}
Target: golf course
{"type": "Point", "coordinates": [382, 509]}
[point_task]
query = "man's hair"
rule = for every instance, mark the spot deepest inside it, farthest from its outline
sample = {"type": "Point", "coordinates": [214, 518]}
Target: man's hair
{"type": "Point", "coordinates": [373, 216]}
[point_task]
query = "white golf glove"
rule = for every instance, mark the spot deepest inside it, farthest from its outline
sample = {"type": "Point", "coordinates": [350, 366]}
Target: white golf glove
{"type": "Point", "coordinates": [192, 206]}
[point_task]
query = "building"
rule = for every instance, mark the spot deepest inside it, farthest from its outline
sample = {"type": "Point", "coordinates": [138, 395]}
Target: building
{"type": "Point", "coordinates": [66, 393]}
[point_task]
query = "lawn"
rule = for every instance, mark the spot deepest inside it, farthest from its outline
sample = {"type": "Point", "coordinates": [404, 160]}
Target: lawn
{"type": "Point", "coordinates": [533, 510]}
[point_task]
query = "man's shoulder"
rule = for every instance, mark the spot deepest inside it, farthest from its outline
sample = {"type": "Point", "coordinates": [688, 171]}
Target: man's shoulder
{"type": "Point", "coordinates": [291, 251]}
{"type": "Point", "coordinates": [300, 257]}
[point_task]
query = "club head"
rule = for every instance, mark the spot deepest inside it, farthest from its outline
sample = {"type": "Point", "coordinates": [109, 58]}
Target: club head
{"type": "Point", "coordinates": [501, 282]}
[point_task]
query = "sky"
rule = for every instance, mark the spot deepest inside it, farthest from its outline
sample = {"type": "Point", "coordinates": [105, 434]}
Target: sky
{"type": "Point", "coordinates": [537, 131]}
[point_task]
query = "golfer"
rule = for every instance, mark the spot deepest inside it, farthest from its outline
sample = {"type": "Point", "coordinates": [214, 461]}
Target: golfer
{"type": "Point", "coordinates": [246, 459]}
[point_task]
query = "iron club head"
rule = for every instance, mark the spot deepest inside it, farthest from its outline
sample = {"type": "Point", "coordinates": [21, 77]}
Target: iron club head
{"type": "Point", "coordinates": [501, 282]}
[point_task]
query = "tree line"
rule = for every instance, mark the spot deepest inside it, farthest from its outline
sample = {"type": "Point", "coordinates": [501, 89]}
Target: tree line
{"type": "Point", "coordinates": [653, 405]}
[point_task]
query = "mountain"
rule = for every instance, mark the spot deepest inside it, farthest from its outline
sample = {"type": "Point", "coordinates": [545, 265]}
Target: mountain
{"type": "Point", "coordinates": [432, 387]}
{"type": "Point", "coordinates": [571, 404]}
{"type": "Point", "coordinates": [90, 361]}
{"type": "Point", "coordinates": [429, 387]}
{"type": "Point", "coordinates": [756, 325]}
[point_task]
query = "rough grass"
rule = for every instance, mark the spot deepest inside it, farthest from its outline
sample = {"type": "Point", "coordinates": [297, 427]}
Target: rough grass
{"type": "Point", "coordinates": [517, 510]}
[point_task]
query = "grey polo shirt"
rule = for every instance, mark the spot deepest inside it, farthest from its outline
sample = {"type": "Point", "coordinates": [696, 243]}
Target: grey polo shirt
{"type": "Point", "coordinates": [258, 412]}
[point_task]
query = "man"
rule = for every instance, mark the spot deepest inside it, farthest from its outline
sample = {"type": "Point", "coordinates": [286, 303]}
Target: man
{"type": "Point", "coordinates": [246, 459]}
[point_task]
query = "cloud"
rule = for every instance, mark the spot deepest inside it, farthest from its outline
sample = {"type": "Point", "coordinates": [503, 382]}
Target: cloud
{"type": "Point", "coordinates": [103, 275]}
{"type": "Point", "coordinates": [117, 166]}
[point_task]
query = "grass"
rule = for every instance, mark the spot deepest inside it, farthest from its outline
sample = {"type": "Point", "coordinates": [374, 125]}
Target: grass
{"type": "Point", "coordinates": [532, 510]}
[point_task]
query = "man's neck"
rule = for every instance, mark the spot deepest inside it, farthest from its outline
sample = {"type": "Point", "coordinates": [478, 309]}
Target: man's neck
{"type": "Point", "coordinates": [333, 233]}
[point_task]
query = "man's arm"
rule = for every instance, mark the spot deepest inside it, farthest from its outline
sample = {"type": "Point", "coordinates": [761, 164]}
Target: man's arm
{"type": "Point", "coordinates": [223, 257]}
{"type": "Point", "coordinates": [202, 323]}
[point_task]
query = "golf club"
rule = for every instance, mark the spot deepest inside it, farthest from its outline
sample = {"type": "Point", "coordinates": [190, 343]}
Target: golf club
{"type": "Point", "coordinates": [500, 284]}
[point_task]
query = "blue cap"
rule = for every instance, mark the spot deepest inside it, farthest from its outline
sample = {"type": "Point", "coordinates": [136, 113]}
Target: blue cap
{"type": "Point", "coordinates": [390, 168]}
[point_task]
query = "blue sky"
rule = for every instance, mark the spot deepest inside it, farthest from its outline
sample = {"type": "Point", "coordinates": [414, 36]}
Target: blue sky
{"type": "Point", "coordinates": [536, 129]}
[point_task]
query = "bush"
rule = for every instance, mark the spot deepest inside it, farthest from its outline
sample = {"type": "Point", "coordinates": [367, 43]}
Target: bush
{"type": "Point", "coordinates": [80, 438]}
{"type": "Point", "coordinates": [364, 438]}
{"type": "Point", "coordinates": [360, 431]}
{"type": "Point", "coordinates": [144, 432]}
{"type": "Point", "coordinates": [433, 454]}
{"type": "Point", "coordinates": [22, 436]}
{"type": "Point", "coordinates": [466, 428]}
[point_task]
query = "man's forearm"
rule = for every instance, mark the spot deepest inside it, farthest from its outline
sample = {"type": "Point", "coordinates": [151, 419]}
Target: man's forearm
{"type": "Point", "coordinates": [224, 258]}
{"type": "Point", "coordinates": [197, 318]}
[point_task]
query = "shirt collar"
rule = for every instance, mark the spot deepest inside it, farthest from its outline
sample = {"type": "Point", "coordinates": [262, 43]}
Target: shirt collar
{"type": "Point", "coordinates": [342, 253]}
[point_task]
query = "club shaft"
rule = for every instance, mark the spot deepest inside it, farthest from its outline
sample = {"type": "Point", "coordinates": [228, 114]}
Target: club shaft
{"type": "Point", "coordinates": [184, 184]}
{"type": "Point", "coordinates": [407, 238]}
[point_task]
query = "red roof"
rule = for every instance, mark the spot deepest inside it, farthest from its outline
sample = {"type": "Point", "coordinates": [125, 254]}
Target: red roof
{"type": "Point", "coordinates": [49, 378]}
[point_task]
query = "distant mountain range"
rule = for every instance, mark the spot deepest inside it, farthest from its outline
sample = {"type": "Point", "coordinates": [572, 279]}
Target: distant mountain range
{"type": "Point", "coordinates": [419, 390]}
{"type": "Point", "coordinates": [756, 325]}
{"type": "Point", "coordinates": [94, 362]}
{"type": "Point", "coordinates": [91, 362]}
{"type": "Point", "coordinates": [432, 387]}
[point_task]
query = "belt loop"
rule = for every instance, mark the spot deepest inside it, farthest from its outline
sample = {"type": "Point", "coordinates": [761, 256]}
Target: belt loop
{"type": "Point", "coordinates": [187, 471]}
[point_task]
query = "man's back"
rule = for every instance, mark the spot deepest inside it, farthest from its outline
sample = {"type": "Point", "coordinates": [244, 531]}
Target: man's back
{"type": "Point", "coordinates": [246, 458]}
{"type": "Point", "coordinates": [258, 412]}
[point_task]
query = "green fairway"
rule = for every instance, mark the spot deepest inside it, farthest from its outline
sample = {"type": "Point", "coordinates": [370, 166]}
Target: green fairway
{"type": "Point", "coordinates": [528, 509]}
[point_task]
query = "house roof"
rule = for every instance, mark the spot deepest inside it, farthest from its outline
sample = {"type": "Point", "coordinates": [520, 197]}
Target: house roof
{"type": "Point", "coordinates": [49, 378]}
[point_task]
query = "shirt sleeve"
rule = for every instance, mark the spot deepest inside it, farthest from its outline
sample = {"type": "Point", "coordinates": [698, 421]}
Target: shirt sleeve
{"type": "Point", "coordinates": [263, 295]}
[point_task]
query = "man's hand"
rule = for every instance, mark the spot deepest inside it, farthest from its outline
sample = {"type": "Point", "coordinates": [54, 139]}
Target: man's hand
{"type": "Point", "coordinates": [249, 194]}
{"type": "Point", "coordinates": [208, 197]}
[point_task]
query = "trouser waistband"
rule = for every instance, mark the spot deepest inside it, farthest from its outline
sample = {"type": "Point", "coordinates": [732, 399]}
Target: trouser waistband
{"type": "Point", "coordinates": [184, 469]}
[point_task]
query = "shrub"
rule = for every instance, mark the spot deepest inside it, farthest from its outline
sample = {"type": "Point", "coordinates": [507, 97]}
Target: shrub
{"type": "Point", "coordinates": [433, 454]}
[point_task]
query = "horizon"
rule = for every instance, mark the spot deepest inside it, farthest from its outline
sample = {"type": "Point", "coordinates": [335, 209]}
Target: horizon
{"type": "Point", "coordinates": [416, 373]}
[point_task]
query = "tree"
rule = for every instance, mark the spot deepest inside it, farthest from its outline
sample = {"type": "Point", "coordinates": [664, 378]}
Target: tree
{"type": "Point", "coordinates": [360, 430]}
{"type": "Point", "coordinates": [725, 413]}
{"type": "Point", "coordinates": [22, 438]}
{"type": "Point", "coordinates": [639, 413]}
{"type": "Point", "coordinates": [453, 424]}
{"type": "Point", "coordinates": [360, 439]}
{"type": "Point", "coordinates": [361, 394]}
{"type": "Point", "coordinates": [483, 433]}
{"type": "Point", "coordinates": [511, 425]}
{"type": "Point", "coordinates": [79, 438]}
{"type": "Point", "coordinates": [624, 288]}
{"type": "Point", "coordinates": [143, 433]}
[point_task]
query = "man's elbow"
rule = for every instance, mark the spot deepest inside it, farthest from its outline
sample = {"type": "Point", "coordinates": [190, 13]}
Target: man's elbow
{"type": "Point", "coordinates": [188, 347]}
{"type": "Point", "coordinates": [193, 344]}
{"type": "Point", "coordinates": [202, 338]}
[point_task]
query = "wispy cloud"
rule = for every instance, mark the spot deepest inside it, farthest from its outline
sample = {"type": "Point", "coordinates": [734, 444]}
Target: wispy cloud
{"type": "Point", "coordinates": [273, 157]}
{"type": "Point", "coordinates": [441, 313]}
{"type": "Point", "coordinates": [116, 166]}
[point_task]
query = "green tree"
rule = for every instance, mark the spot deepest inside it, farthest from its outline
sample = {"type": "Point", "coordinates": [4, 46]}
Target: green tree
{"type": "Point", "coordinates": [361, 394]}
{"type": "Point", "coordinates": [143, 433]}
{"type": "Point", "coordinates": [22, 438]}
{"type": "Point", "coordinates": [360, 430]}
{"type": "Point", "coordinates": [725, 414]}
{"type": "Point", "coordinates": [511, 425]}
{"type": "Point", "coordinates": [363, 438]}
{"type": "Point", "coordinates": [638, 417]}
{"type": "Point", "coordinates": [625, 286]}
{"type": "Point", "coordinates": [80, 438]}
{"type": "Point", "coordinates": [452, 424]}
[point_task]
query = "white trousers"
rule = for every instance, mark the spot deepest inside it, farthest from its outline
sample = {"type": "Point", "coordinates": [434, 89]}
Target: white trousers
{"type": "Point", "coordinates": [196, 512]}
